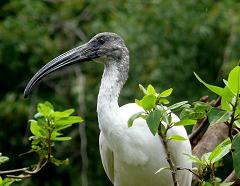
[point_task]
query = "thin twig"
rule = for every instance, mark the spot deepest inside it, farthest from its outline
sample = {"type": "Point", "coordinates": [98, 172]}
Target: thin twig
{"type": "Point", "coordinates": [13, 171]}
{"type": "Point", "coordinates": [169, 157]}
{"type": "Point", "coordinates": [26, 173]}
{"type": "Point", "coordinates": [182, 168]}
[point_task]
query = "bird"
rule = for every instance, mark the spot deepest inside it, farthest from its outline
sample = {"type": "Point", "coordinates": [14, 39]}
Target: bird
{"type": "Point", "coordinates": [130, 156]}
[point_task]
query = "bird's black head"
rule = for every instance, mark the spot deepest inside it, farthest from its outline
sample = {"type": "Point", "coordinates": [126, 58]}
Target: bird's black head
{"type": "Point", "coordinates": [109, 45]}
{"type": "Point", "coordinates": [100, 48]}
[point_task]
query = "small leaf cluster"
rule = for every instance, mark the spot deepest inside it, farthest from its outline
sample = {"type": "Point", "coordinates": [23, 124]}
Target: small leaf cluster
{"type": "Point", "coordinates": [47, 129]}
{"type": "Point", "coordinates": [229, 99]}
{"type": "Point", "coordinates": [229, 113]}
{"type": "Point", "coordinates": [157, 114]}
{"type": "Point", "coordinates": [207, 164]}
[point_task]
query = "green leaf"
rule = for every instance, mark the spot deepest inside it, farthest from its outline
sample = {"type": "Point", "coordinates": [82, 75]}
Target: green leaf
{"type": "Point", "coordinates": [69, 120]}
{"type": "Point", "coordinates": [36, 129]}
{"type": "Point", "coordinates": [194, 159]}
{"type": "Point", "coordinates": [185, 122]}
{"type": "Point", "coordinates": [147, 102]}
{"type": "Point", "coordinates": [58, 162]}
{"type": "Point", "coordinates": [227, 94]}
{"type": "Point", "coordinates": [226, 99]}
{"type": "Point", "coordinates": [215, 89]}
{"type": "Point", "coordinates": [234, 80]}
{"type": "Point", "coordinates": [177, 105]}
{"type": "Point", "coordinates": [62, 138]}
{"type": "Point", "coordinates": [164, 101]}
{"type": "Point", "coordinates": [189, 113]}
{"type": "Point", "coordinates": [161, 169]}
{"type": "Point", "coordinates": [237, 124]}
{"type": "Point", "coordinates": [153, 120]}
{"type": "Point", "coordinates": [166, 93]}
{"type": "Point", "coordinates": [142, 89]}
{"type": "Point", "coordinates": [45, 108]}
{"type": "Point", "coordinates": [201, 106]}
{"type": "Point", "coordinates": [176, 138]}
{"type": "Point", "coordinates": [220, 151]}
{"type": "Point", "coordinates": [236, 154]}
{"type": "Point", "coordinates": [133, 117]}
{"type": "Point", "coordinates": [217, 115]}
{"type": "Point", "coordinates": [151, 90]}
{"type": "Point", "coordinates": [66, 113]}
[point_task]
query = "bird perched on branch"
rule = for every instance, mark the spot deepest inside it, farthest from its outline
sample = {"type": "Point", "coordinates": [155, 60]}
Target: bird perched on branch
{"type": "Point", "coordinates": [130, 156]}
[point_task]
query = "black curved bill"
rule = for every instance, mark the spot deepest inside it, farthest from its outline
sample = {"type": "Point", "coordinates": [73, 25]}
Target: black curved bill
{"type": "Point", "coordinates": [76, 55]}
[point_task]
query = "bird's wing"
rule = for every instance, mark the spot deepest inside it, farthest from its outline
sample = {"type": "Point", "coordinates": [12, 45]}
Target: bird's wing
{"type": "Point", "coordinates": [107, 157]}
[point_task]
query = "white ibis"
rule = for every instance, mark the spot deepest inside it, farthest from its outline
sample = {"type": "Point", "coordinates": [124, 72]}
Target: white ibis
{"type": "Point", "coordinates": [130, 156]}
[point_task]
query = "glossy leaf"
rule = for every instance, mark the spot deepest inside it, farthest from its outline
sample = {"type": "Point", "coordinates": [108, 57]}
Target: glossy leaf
{"type": "Point", "coordinates": [176, 138]}
{"type": "Point", "coordinates": [151, 90]}
{"type": "Point", "coordinates": [66, 113]}
{"type": "Point", "coordinates": [147, 102]}
{"type": "Point", "coordinates": [62, 138]}
{"type": "Point", "coordinates": [45, 108]}
{"type": "Point", "coordinates": [234, 80]}
{"type": "Point", "coordinates": [35, 128]}
{"type": "Point", "coordinates": [69, 120]}
{"type": "Point", "coordinates": [189, 113]}
{"type": "Point", "coordinates": [142, 89]}
{"type": "Point", "coordinates": [166, 93]}
{"type": "Point", "coordinates": [164, 101]}
{"type": "Point", "coordinates": [236, 154]}
{"type": "Point", "coordinates": [58, 162]}
{"type": "Point", "coordinates": [185, 122]}
{"type": "Point", "coordinates": [162, 169]}
{"type": "Point", "coordinates": [201, 106]}
{"type": "Point", "coordinates": [177, 105]}
{"type": "Point", "coordinates": [153, 120]}
{"type": "Point", "coordinates": [217, 115]}
{"type": "Point", "coordinates": [215, 89]}
{"type": "Point", "coordinates": [220, 151]}
{"type": "Point", "coordinates": [133, 117]}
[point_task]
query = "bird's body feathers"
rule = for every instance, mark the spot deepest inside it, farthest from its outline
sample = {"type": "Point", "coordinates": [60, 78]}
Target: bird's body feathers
{"type": "Point", "coordinates": [139, 154]}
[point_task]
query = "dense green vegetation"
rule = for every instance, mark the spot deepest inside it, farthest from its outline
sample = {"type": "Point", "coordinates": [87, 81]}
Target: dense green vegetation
{"type": "Point", "coordinates": [167, 40]}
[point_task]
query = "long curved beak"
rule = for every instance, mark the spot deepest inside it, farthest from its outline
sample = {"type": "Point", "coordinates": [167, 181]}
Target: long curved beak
{"type": "Point", "coordinates": [76, 55]}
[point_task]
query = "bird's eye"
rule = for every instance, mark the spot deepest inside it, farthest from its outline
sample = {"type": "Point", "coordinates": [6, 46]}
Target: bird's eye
{"type": "Point", "coordinates": [101, 41]}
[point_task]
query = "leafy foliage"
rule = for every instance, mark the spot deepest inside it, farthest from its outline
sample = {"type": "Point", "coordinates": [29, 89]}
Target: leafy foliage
{"type": "Point", "coordinates": [157, 113]}
{"type": "Point", "coordinates": [46, 129]}
{"type": "Point", "coordinates": [228, 114]}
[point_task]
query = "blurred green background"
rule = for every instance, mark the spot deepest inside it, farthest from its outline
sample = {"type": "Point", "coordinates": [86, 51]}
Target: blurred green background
{"type": "Point", "coordinates": [167, 40]}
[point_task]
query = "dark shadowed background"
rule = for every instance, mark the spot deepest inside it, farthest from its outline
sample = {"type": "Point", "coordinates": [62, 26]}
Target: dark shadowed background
{"type": "Point", "coordinates": [167, 40]}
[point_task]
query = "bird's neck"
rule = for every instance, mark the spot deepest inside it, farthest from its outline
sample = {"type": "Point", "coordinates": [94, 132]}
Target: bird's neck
{"type": "Point", "coordinates": [114, 77]}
